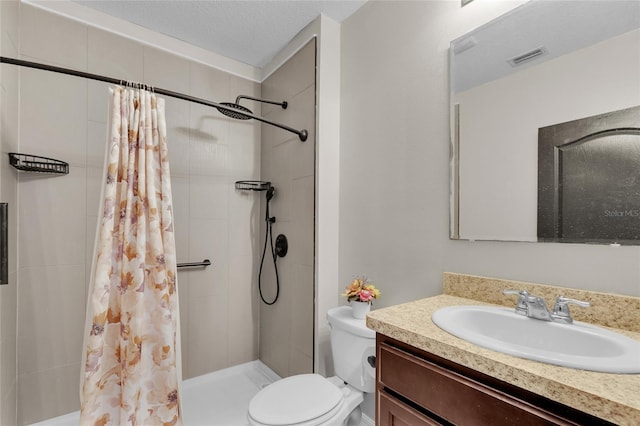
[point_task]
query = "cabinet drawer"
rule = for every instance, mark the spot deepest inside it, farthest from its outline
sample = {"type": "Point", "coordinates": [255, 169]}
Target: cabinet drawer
{"type": "Point", "coordinates": [452, 396]}
{"type": "Point", "coordinates": [393, 412]}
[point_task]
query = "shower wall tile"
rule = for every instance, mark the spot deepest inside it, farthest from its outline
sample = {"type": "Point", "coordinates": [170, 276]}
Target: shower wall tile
{"type": "Point", "coordinates": [303, 114]}
{"type": "Point", "coordinates": [242, 86]}
{"type": "Point", "coordinates": [8, 415]}
{"type": "Point", "coordinates": [96, 144]}
{"type": "Point", "coordinates": [48, 393]}
{"type": "Point", "coordinates": [299, 362]}
{"type": "Point", "coordinates": [208, 239]}
{"type": "Point", "coordinates": [92, 223]}
{"type": "Point", "coordinates": [244, 223]}
{"type": "Point", "coordinates": [208, 158]}
{"type": "Point", "coordinates": [94, 193]}
{"type": "Point", "coordinates": [114, 56]}
{"type": "Point", "coordinates": [286, 328]}
{"type": "Point", "coordinates": [210, 84]}
{"type": "Point", "coordinates": [301, 321]}
{"type": "Point", "coordinates": [275, 320]}
{"type": "Point", "coordinates": [53, 116]}
{"type": "Point", "coordinates": [209, 197]}
{"type": "Point", "coordinates": [8, 321]}
{"type": "Point", "coordinates": [283, 116]}
{"type": "Point", "coordinates": [166, 71]}
{"type": "Point", "coordinates": [244, 150]}
{"type": "Point", "coordinates": [51, 311]}
{"type": "Point", "coordinates": [9, 15]}
{"type": "Point", "coordinates": [244, 310]}
{"type": "Point", "coordinates": [95, 183]}
{"type": "Point", "coordinates": [183, 297]}
{"type": "Point", "coordinates": [52, 215]}
{"type": "Point", "coordinates": [272, 136]}
{"type": "Point", "coordinates": [98, 101]}
{"type": "Point", "coordinates": [302, 237]}
{"type": "Point", "coordinates": [274, 341]}
{"type": "Point", "coordinates": [209, 139]}
{"type": "Point", "coordinates": [180, 199]}
{"type": "Point", "coordinates": [10, 109]}
{"type": "Point", "coordinates": [293, 77]}
{"type": "Point", "coordinates": [208, 331]}
{"type": "Point", "coordinates": [282, 207]}
{"type": "Point", "coordinates": [52, 39]}
{"type": "Point", "coordinates": [8, 382]}
{"type": "Point", "coordinates": [178, 131]}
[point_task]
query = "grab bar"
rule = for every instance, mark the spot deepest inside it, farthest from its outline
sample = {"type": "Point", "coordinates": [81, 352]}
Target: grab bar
{"type": "Point", "coordinates": [204, 263]}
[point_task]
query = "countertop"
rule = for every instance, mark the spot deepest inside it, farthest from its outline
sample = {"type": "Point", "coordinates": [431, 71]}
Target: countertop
{"type": "Point", "coordinates": [614, 397]}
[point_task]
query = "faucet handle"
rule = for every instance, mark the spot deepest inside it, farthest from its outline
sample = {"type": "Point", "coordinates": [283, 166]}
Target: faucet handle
{"type": "Point", "coordinates": [561, 308]}
{"type": "Point", "coordinates": [523, 295]}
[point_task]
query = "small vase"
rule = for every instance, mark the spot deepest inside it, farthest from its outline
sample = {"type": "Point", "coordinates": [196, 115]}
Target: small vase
{"type": "Point", "coordinates": [360, 310]}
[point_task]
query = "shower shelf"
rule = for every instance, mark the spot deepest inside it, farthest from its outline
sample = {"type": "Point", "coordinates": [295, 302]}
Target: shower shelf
{"type": "Point", "coordinates": [252, 185]}
{"type": "Point", "coordinates": [38, 164]}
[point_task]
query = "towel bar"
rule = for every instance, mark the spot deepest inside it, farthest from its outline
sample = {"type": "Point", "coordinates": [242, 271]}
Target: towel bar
{"type": "Point", "coordinates": [204, 263]}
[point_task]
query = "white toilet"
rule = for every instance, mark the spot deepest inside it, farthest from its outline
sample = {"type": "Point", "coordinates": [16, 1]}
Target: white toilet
{"type": "Point", "coordinates": [310, 399]}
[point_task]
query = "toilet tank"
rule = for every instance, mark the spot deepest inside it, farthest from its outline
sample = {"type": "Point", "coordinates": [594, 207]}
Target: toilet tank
{"type": "Point", "coordinates": [352, 343]}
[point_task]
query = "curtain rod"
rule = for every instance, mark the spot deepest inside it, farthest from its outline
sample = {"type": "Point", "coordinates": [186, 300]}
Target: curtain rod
{"type": "Point", "coordinates": [302, 134]}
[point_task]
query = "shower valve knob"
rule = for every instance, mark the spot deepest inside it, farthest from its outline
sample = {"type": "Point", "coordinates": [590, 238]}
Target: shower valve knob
{"type": "Point", "coordinates": [282, 245]}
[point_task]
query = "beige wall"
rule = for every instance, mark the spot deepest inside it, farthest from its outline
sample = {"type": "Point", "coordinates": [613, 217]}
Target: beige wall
{"type": "Point", "coordinates": [394, 169]}
{"type": "Point", "coordinates": [65, 117]}
{"type": "Point", "coordinates": [9, 142]}
{"type": "Point", "coordinates": [286, 327]}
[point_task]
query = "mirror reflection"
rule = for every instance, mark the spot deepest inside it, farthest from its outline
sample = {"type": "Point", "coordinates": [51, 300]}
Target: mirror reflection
{"type": "Point", "coordinates": [543, 64]}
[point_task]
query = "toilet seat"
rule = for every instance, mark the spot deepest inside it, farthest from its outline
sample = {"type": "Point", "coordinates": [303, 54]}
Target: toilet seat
{"type": "Point", "coordinates": [305, 399]}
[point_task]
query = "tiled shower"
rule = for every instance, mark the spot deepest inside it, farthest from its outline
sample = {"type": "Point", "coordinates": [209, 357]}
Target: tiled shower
{"type": "Point", "coordinates": [222, 321]}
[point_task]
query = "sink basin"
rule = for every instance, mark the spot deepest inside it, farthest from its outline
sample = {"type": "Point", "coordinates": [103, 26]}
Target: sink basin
{"type": "Point", "coordinates": [578, 345]}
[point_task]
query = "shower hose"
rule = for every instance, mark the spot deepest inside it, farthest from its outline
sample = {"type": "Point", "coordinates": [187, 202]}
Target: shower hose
{"type": "Point", "coordinates": [268, 236]}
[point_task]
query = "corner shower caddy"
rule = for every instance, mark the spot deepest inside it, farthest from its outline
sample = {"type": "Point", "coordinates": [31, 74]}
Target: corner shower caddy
{"type": "Point", "coordinates": [38, 164]}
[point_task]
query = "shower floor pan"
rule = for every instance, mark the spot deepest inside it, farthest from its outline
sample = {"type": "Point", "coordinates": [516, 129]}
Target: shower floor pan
{"type": "Point", "coordinates": [218, 398]}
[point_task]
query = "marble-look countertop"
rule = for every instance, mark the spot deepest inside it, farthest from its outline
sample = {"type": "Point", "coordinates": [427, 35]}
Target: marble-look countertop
{"type": "Point", "coordinates": [614, 397]}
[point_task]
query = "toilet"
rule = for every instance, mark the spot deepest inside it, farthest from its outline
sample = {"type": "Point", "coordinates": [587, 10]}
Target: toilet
{"type": "Point", "coordinates": [311, 399]}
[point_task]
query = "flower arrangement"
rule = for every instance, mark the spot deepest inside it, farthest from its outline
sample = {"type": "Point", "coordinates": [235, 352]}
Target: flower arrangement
{"type": "Point", "coordinates": [361, 290]}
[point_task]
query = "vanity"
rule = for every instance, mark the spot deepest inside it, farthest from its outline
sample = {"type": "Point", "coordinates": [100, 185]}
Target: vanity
{"type": "Point", "coordinates": [426, 376]}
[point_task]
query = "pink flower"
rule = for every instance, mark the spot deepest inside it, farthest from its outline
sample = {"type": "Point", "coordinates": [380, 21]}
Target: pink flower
{"type": "Point", "coordinates": [366, 295]}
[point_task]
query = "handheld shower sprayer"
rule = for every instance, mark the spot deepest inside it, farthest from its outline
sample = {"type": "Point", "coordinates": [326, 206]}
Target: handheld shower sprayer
{"type": "Point", "coordinates": [280, 249]}
{"type": "Point", "coordinates": [270, 193]}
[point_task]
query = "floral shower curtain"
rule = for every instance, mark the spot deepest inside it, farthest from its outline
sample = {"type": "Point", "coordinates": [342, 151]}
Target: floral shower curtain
{"type": "Point", "coordinates": [131, 367]}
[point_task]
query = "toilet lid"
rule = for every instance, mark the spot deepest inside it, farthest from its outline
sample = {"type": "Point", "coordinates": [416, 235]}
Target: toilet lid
{"type": "Point", "coordinates": [296, 399]}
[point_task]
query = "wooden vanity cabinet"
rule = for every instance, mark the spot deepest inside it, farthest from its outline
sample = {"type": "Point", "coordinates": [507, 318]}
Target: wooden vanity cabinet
{"type": "Point", "coordinates": [416, 388]}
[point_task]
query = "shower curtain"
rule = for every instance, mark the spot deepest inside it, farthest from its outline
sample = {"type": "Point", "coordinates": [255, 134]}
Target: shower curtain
{"type": "Point", "coordinates": [131, 364]}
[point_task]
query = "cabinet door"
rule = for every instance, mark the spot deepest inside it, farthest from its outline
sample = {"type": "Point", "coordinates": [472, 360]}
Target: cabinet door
{"type": "Point", "coordinates": [426, 385]}
{"type": "Point", "coordinates": [392, 412]}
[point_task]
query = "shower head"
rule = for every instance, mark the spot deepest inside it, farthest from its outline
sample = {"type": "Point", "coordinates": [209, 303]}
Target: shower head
{"type": "Point", "coordinates": [236, 106]}
{"type": "Point", "coordinates": [239, 112]}
{"type": "Point", "coordinates": [234, 114]}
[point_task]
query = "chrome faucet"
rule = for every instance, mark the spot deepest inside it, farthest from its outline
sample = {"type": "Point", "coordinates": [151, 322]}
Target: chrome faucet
{"type": "Point", "coordinates": [535, 307]}
{"type": "Point", "coordinates": [561, 311]}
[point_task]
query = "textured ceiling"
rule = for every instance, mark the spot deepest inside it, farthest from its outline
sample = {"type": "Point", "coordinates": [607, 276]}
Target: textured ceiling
{"type": "Point", "coordinates": [251, 32]}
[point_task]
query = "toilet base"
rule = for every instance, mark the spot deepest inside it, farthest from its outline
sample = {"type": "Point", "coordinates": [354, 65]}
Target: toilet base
{"type": "Point", "coordinates": [351, 414]}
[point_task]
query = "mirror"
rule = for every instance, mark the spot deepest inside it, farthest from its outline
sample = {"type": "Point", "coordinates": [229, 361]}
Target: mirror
{"type": "Point", "coordinates": [542, 64]}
